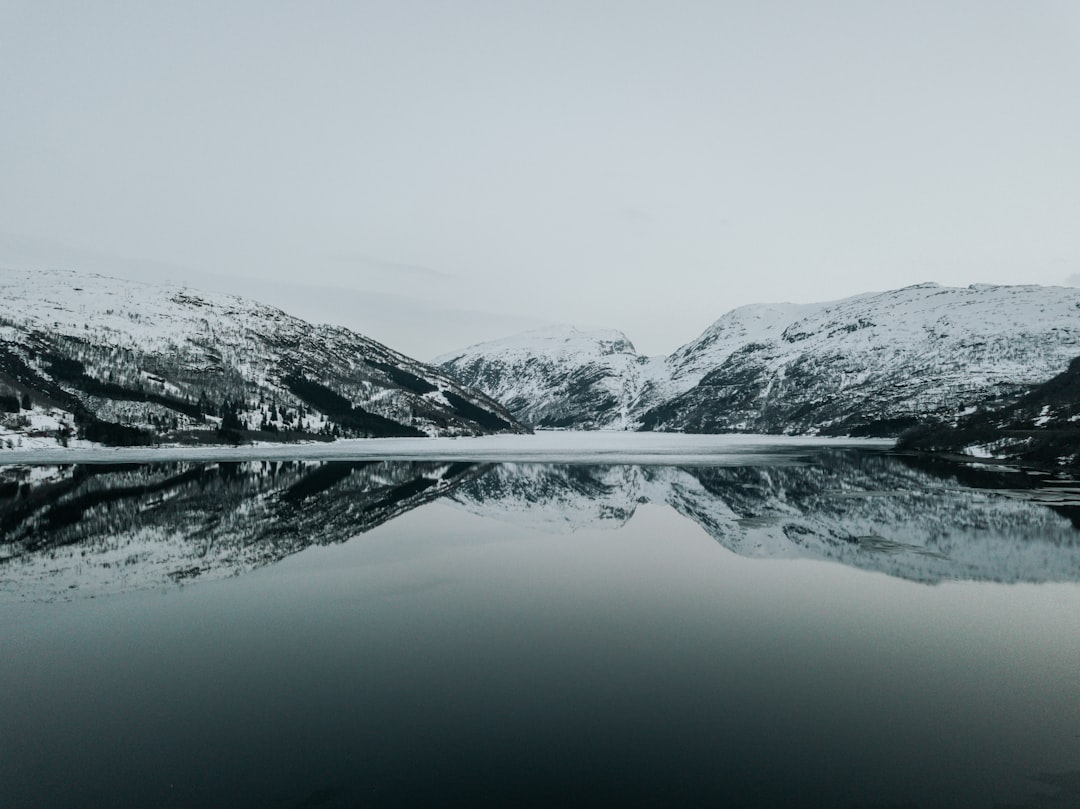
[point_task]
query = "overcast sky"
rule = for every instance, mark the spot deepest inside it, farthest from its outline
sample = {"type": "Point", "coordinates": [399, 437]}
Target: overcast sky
{"type": "Point", "coordinates": [436, 173]}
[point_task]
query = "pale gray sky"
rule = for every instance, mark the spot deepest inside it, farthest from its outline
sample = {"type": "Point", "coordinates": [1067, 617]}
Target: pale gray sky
{"type": "Point", "coordinates": [436, 173]}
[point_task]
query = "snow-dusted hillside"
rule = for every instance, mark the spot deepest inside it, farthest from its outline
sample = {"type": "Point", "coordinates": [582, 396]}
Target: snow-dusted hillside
{"type": "Point", "coordinates": [83, 357]}
{"type": "Point", "coordinates": [565, 377]}
{"type": "Point", "coordinates": [687, 365]}
{"type": "Point", "coordinates": [878, 363]}
{"type": "Point", "coordinates": [872, 364]}
{"type": "Point", "coordinates": [559, 376]}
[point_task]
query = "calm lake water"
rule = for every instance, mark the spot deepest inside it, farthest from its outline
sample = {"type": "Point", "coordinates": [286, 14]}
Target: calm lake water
{"type": "Point", "coordinates": [821, 628]}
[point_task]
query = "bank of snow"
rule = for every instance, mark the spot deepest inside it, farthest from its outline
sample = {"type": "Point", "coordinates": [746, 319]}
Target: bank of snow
{"type": "Point", "coordinates": [550, 447]}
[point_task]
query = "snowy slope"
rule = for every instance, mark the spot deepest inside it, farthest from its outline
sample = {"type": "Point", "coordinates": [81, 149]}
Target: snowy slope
{"type": "Point", "coordinates": [123, 362]}
{"type": "Point", "coordinates": [565, 377]}
{"type": "Point", "coordinates": [871, 364]}
{"type": "Point", "coordinates": [877, 363]}
{"type": "Point", "coordinates": [747, 325]}
{"type": "Point", "coordinates": [559, 376]}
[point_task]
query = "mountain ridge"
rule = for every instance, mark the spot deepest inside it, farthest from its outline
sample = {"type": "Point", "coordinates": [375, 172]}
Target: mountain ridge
{"type": "Point", "coordinates": [120, 362]}
{"type": "Point", "coordinates": [871, 364]}
{"type": "Point", "coordinates": [551, 376]}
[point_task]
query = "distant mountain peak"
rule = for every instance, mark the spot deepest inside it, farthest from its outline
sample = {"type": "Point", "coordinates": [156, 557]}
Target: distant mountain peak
{"type": "Point", "coordinates": [557, 339]}
{"type": "Point", "coordinates": [559, 376]}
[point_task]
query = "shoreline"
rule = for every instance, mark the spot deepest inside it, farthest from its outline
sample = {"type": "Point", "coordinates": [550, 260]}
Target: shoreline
{"type": "Point", "coordinates": [541, 447]}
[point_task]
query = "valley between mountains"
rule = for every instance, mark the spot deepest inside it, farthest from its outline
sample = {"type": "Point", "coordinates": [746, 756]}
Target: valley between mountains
{"type": "Point", "coordinates": [924, 359]}
{"type": "Point", "coordinates": [983, 370]}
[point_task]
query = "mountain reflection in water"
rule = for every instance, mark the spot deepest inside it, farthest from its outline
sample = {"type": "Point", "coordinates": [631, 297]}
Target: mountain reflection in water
{"type": "Point", "coordinates": [67, 531]}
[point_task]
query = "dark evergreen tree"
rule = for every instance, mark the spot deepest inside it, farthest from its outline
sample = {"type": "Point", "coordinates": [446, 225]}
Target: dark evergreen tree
{"type": "Point", "coordinates": [230, 416]}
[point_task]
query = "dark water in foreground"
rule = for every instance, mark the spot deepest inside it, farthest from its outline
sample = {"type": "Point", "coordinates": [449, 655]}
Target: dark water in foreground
{"type": "Point", "coordinates": [834, 629]}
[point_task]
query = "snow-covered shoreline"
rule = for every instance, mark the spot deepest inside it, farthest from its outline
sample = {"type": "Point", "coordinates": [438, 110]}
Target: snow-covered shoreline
{"type": "Point", "coordinates": [542, 447]}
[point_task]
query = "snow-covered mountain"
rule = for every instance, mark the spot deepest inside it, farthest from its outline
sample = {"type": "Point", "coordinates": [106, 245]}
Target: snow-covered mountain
{"type": "Point", "coordinates": [873, 364]}
{"type": "Point", "coordinates": [747, 325]}
{"type": "Point", "coordinates": [876, 364]}
{"type": "Point", "coordinates": [567, 377]}
{"type": "Point", "coordinates": [559, 376]}
{"type": "Point", "coordinates": [84, 357]}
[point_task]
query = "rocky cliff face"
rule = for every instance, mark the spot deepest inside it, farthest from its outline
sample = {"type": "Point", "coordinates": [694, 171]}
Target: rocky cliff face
{"type": "Point", "coordinates": [84, 357]}
{"type": "Point", "coordinates": [873, 364]}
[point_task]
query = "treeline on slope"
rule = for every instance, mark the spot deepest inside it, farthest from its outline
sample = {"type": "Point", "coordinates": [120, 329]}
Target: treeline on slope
{"type": "Point", "coordinates": [344, 412]}
{"type": "Point", "coordinates": [19, 375]}
{"type": "Point", "coordinates": [53, 372]}
{"type": "Point", "coordinates": [1041, 427]}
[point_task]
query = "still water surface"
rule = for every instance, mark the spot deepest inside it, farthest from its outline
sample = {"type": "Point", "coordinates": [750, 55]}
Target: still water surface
{"type": "Point", "coordinates": [823, 629]}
